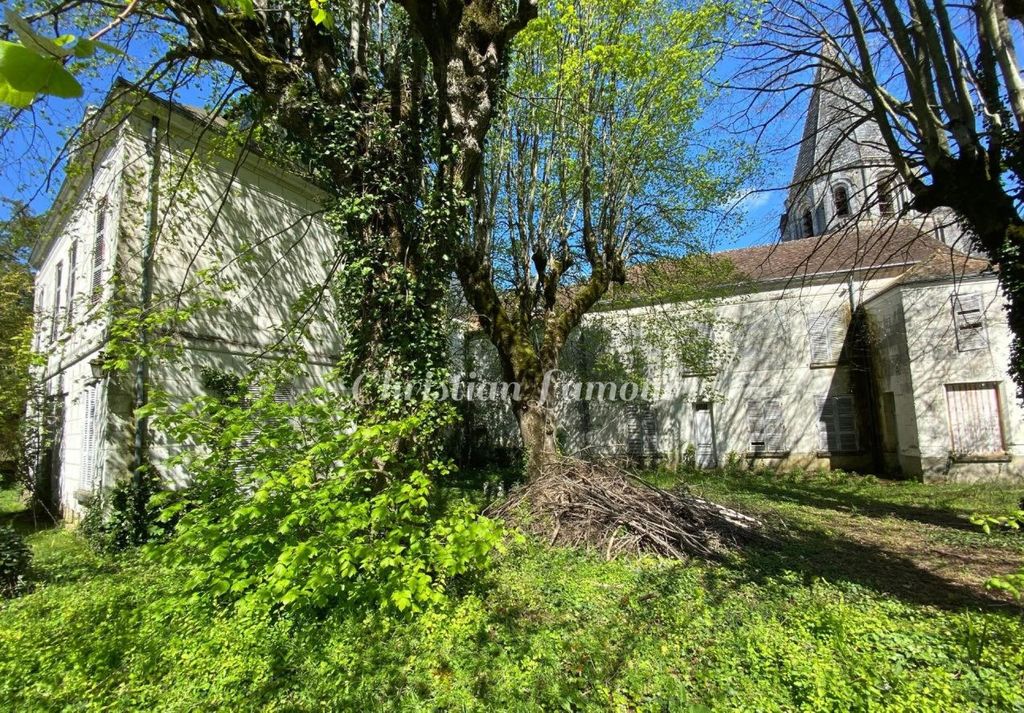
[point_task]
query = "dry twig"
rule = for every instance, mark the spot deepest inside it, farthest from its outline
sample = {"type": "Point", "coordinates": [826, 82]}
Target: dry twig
{"type": "Point", "coordinates": [603, 506]}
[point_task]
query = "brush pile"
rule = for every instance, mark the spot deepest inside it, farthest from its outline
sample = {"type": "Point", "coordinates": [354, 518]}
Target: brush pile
{"type": "Point", "coordinates": [605, 507]}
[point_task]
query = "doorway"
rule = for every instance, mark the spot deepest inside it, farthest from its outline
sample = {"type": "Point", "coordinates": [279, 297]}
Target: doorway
{"type": "Point", "coordinates": [704, 435]}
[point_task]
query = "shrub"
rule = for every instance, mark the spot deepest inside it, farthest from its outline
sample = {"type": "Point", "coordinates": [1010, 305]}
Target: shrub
{"type": "Point", "coordinates": [15, 558]}
{"type": "Point", "coordinates": [294, 505]}
{"type": "Point", "coordinates": [125, 516]}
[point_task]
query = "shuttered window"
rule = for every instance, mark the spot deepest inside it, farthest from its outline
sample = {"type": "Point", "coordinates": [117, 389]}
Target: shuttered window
{"type": "Point", "coordinates": [99, 251]}
{"type": "Point", "coordinates": [767, 430]}
{"type": "Point", "coordinates": [826, 333]}
{"type": "Point", "coordinates": [72, 273]}
{"type": "Point", "coordinates": [57, 291]}
{"type": "Point", "coordinates": [641, 431]}
{"type": "Point", "coordinates": [40, 317]}
{"type": "Point", "coordinates": [283, 394]}
{"type": "Point", "coordinates": [969, 321]}
{"type": "Point", "coordinates": [974, 423]}
{"type": "Point", "coordinates": [90, 428]}
{"type": "Point", "coordinates": [837, 424]}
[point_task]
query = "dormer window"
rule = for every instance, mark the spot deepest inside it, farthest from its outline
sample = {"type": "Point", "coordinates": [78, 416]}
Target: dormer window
{"type": "Point", "coordinates": [807, 224]}
{"type": "Point", "coordinates": [842, 201]}
{"type": "Point", "coordinates": [886, 203]}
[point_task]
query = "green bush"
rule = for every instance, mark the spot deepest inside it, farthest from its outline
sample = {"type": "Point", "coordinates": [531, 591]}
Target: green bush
{"type": "Point", "coordinates": [15, 559]}
{"type": "Point", "coordinates": [293, 505]}
{"type": "Point", "coordinates": [126, 515]}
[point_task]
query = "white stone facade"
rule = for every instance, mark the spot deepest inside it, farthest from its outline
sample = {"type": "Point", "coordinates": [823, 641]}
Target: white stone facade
{"type": "Point", "coordinates": [222, 220]}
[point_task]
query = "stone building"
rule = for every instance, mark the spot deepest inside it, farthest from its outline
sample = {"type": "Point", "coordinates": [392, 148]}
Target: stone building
{"type": "Point", "coordinates": [865, 339]}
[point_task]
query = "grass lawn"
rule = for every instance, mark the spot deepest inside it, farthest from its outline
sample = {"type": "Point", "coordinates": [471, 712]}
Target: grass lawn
{"type": "Point", "coordinates": [867, 595]}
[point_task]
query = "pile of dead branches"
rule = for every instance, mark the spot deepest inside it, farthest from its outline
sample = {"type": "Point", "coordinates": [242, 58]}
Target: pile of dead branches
{"type": "Point", "coordinates": [605, 507]}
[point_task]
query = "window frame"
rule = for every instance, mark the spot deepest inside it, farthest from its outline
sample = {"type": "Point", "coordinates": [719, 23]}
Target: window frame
{"type": "Point", "coordinates": [807, 223]}
{"type": "Point", "coordinates": [847, 206]}
{"type": "Point", "coordinates": [996, 428]}
{"type": "Point", "coordinates": [772, 442]}
{"type": "Point", "coordinates": [830, 424]}
{"type": "Point", "coordinates": [55, 323]}
{"type": "Point", "coordinates": [70, 290]}
{"type": "Point", "coordinates": [887, 199]}
{"type": "Point", "coordinates": [970, 337]}
{"type": "Point", "coordinates": [99, 251]}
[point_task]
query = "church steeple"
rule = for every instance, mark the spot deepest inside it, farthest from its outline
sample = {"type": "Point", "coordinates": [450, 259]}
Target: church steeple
{"type": "Point", "coordinates": [841, 159]}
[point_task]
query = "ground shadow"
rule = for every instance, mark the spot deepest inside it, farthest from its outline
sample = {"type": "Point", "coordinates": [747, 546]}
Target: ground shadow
{"type": "Point", "coordinates": [827, 498]}
{"type": "Point", "coordinates": [28, 519]}
{"type": "Point", "coordinates": [813, 554]}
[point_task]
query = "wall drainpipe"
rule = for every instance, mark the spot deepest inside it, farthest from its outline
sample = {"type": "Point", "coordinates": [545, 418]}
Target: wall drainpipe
{"type": "Point", "coordinates": [146, 298]}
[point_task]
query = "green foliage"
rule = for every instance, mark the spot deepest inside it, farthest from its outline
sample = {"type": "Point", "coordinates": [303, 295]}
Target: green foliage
{"type": "Point", "coordinates": [553, 630]}
{"type": "Point", "coordinates": [15, 559]}
{"type": "Point", "coordinates": [16, 235]}
{"type": "Point", "coordinates": [36, 65]}
{"type": "Point", "coordinates": [1012, 583]}
{"type": "Point", "coordinates": [126, 515]}
{"type": "Point", "coordinates": [295, 505]}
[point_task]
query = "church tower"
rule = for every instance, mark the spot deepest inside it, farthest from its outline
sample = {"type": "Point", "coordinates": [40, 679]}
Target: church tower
{"type": "Point", "coordinates": [843, 171]}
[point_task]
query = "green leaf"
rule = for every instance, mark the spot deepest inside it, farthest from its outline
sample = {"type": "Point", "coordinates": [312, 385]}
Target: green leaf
{"type": "Point", "coordinates": [13, 97]}
{"type": "Point", "coordinates": [25, 71]}
{"type": "Point", "coordinates": [291, 595]}
{"type": "Point", "coordinates": [31, 39]}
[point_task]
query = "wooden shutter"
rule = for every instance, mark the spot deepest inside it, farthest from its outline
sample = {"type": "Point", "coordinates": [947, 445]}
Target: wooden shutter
{"type": "Point", "coordinates": [57, 291]}
{"type": "Point", "coordinates": [774, 428]}
{"type": "Point", "coordinates": [837, 424]}
{"type": "Point", "coordinates": [974, 423]}
{"type": "Point", "coordinates": [826, 333]}
{"type": "Point", "coordinates": [826, 418]}
{"type": "Point", "coordinates": [969, 320]}
{"type": "Point", "coordinates": [641, 430]}
{"type": "Point", "coordinates": [755, 424]}
{"type": "Point", "coordinates": [765, 421]}
{"type": "Point", "coordinates": [89, 429]}
{"type": "Point", "coordinates": [99, 251]}
{"type": "Point", "coordinates": [846, 424]}
{"type": "Point", "coordinates": [72, 273]}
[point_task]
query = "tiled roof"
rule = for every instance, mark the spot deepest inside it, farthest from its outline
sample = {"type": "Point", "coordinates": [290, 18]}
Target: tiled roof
{"type": "Point", "coordinates": [861, 246]}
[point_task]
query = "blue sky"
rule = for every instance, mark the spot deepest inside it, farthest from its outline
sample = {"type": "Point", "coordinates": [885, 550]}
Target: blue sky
{"type": "Point", "coordinates": [28, 173]}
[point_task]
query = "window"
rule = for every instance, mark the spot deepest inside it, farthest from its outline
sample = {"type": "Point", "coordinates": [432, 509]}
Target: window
{"type": "Point", "coordinates": [837, 424]}
{"type": "Point", "coordinates": [55, 316]}
{"type": "Point", "coordinates": [641, 431]}
{"type": "Point", "coordinates": [248, 442]}
{"type": "Point", "coordinates": [842, 201]}
{"type": "Point", "coordinates": [807, 223]}
{"type": "Point", "coordinates": [767, 432]}
{"type": "Point", "coordinates": [99, 250]}
{"type": "Point", "coordinates": [826, 333]}
{"type": "Point", "coordinates": [40, 315]}
{"type": "Point", "coordinates": [89, 440]}
{"type": "Point", "coordinates": [974, 424]}
{"type": "Point", "coordinates": [72, 273]}
{"type": "Point", "coordinates": [886, 203]}
{"type": "Point", "coordinates": [969, 322]}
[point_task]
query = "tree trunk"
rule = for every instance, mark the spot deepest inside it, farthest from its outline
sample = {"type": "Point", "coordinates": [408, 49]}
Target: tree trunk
{"type": "Point", "coordinates": [537, 429]}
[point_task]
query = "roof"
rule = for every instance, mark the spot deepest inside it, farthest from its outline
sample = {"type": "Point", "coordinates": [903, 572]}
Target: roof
{"type": "Point", "coordinates": [838, 131]}
{"type": "Point", "coordinates": [857, 247]}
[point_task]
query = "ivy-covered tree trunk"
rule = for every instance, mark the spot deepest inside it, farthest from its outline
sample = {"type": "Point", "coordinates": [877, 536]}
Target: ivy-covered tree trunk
{"type": "Point", "coordinates": [537, 430]}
